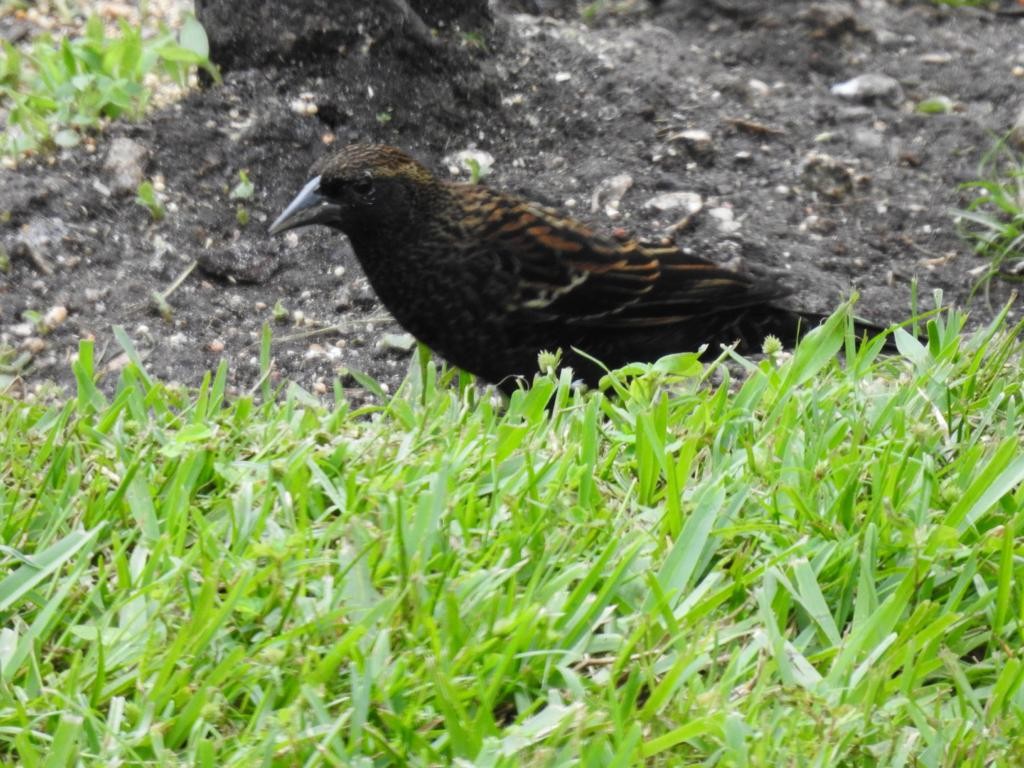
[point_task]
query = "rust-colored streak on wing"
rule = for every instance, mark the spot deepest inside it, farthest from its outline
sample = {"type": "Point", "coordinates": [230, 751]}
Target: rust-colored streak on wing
{"type": "Point", "coordinates": [654, 267]}
{"type": "Point", "coordinates": [695, 267]}
{"type": "Point", "coordinates": [569, 274]}
{"type": "Point", "coordinates": [557, 243]}
{"type": "Point", "coordinates": [515, 225]}
{"type": "Point", "coordinates": [647, 271]}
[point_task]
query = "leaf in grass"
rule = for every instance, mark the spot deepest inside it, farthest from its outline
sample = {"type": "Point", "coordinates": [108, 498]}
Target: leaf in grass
{"type": "Point", "coordinates": [41, 565]}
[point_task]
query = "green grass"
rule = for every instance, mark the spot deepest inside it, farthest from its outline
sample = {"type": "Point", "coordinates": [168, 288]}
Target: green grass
{"type": "Point", "coordinates": [968, 3]}
{"type": "Point", "coordinates": [817, 566]}
{"type": "Point", "coordinates": [55, 90]}
{"type": "Point", "coordinates": [993, 222]}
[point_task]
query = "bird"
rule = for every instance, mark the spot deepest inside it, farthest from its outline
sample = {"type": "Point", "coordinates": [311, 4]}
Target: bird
{"type": "Point", "coordinates": [488, 280]}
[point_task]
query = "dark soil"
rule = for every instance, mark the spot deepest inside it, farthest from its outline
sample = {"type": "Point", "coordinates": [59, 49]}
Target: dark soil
{"type": "Point", "coordinates": [833, 195]}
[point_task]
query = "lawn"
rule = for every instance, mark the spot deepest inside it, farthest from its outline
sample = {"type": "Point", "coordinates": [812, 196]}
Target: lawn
{"type": "Point", "coordinates": [814, 563]}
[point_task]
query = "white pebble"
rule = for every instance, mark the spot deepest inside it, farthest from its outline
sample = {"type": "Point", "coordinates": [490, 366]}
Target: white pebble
{"type": "Point", "coordinates": [55, 316]}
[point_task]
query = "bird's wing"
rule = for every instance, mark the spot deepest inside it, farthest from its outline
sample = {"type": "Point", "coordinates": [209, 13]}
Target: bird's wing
{"type": "Point", "coordinates": [563, 271]}
{"type": "Point", "coordinates": [690, 286]}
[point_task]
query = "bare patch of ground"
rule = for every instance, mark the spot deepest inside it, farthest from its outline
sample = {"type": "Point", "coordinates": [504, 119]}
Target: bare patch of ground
{"type": "Point", "coordinates": [832, 193]}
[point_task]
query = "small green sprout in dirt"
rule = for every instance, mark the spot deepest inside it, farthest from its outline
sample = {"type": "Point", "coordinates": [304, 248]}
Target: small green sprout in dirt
{"type": "Point", "coordinates": [244, 189]}
{"type": "Point", "coordinates": [936, 105]}
{"type": "Point", "coordinates": [35, 319]}
{"type": "Point", "coordinates": [475, 173]}
{"type": "Point", "coordinates": [146, 197]}
{"type": "Point", "coordinates": [589, 12]}
{"type": "Point", "coordinates": [159, 299]}
{"type": "Point", "coordinates": [54, 90]}
{"type": "Point", "coordinates": [478, 164]}
{"type": "Point", "coordinates": [163, 307]}
{"type": "Point", "coordinates": [5, 260]}
{"type": "Point", "coordinates": [280, 312]}
{"type": "Point", "coordinates": [994, 220]}
{"type": "Point", "coordinates": [474, 40]}
{"type": "Point", "coordinates": [384, 117]}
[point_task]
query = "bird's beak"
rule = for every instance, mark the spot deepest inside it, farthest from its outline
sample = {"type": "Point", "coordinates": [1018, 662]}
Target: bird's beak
{"type": "Point", "coordinates": [308, 207]}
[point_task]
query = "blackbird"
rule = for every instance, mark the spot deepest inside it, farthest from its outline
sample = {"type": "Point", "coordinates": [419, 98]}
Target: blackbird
{"type": "Point", "coordinates": [487, 280]}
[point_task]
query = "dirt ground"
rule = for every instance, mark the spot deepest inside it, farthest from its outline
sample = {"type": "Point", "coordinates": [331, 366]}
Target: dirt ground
{"type": "Point", "coordinates": [731, 101]}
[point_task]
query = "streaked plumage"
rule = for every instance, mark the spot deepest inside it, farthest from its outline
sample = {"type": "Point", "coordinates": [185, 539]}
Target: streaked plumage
{"type": "Point", "coordinates": [487, 280]}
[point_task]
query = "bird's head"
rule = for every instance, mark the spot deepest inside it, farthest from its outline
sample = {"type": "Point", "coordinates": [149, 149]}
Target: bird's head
{"type": "Point", "coordinates": [369, 188]}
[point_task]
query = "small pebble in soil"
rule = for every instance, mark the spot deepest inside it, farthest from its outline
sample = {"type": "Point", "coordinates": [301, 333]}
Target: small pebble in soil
{"type": "Point", "coordinates": [687, 202]}
{"type": "Point", "coordinates": [396, 342]}
{"type": "Point", "coordinates": [303, 107]}
{"type": "Point", "coordinates": [725, 218]}
{"type": "Point", "coordinates": [55, 317]}
{"type": "Point", "coordinates": [609, 193]}
{"type": "Point", "coordinates": [33, 344]}
{"type": "Point", "coordinates": [869, 88]}
{"type": "Point", "coordinates": [758, 88]}
{"type": "Point", "coordinates": [818, 225]}
{"type": "Point", "coordinates": [697, 142]}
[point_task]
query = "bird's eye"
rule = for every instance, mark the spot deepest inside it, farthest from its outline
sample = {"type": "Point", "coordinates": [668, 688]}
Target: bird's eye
{"type": "Point", "coordinates": [363, 186]}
